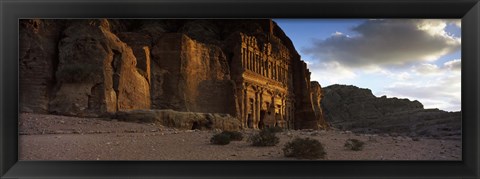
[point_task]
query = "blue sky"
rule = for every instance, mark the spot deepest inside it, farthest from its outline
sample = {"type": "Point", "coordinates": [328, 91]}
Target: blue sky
{"type": "Point", "coordinates": [417, 59]}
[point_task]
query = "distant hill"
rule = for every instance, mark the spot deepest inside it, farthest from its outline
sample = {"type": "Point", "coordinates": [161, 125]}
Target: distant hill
{"type": "Point", "coordinates": [356, 109]}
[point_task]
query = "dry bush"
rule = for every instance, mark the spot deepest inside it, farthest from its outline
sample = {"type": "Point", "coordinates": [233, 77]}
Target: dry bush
{"type": "Point", "coordinates": [275, 129]}
{"type": "Point", "coordinates": [264, 138]}
{"type": "Point", "coordinates": [304, 149]}
{"type": "Point", "coordinates": [220, 139]}
{"type": "Point", "coordinates": [354, 144]}
{"type": "Point", "coordinates": [234, 135]}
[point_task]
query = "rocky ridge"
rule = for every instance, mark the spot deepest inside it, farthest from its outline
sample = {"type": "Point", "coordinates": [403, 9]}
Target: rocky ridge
{"type": "Point", "coordinates": [358, 110]}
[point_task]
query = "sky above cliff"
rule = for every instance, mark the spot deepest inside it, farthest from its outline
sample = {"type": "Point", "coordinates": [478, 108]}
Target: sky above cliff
{"type": "Point", "coordinates": [418, 59]}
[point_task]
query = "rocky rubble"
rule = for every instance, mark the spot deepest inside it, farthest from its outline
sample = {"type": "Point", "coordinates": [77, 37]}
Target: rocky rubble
{"type": "Point", "coordinates": [181, 120]}
{"type": "Point", "coordinates": [356, 109]}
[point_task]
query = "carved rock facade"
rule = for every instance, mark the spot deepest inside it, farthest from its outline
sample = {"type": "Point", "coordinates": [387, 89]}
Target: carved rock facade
{"type": "Point", "coordinates": [246, 69]}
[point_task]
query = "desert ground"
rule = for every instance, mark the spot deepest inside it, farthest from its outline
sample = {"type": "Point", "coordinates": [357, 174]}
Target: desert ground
{"type": "Point", "coordinates": [52, 137]}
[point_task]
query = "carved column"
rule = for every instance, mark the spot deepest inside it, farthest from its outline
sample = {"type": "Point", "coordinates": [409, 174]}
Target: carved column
{"type": "Point", "coordinates": [274, 73]}
{"type": "Point", "coordinates": [272, 104]}
{"type": "Point", "coordinates": [260, 103]}
{"type": "Point", "coordinates": [254, 62]}
{"type": "Point", "coordinates": [270, 69]}
{"type": "Point", "coordinates": [283, 116]}
{"type": "Point", "coordinates": [240, 102]}
{"type": "Point", "coordinates": [245, 107]}
{"type": "Point", "coordinates": [250, 60]}
{"type": "Point", "coordinates": [252, 55]}
{"type": "Point", "coordinates": [244, 62]}
{"type": "Point", "coordinates": [263, 66]}
{"type": "Point", "coordinates": [247, 58]}
{"type": "Point", "coordinates": [257, 109]}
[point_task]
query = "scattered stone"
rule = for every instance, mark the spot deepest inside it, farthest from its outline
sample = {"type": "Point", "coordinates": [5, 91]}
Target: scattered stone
{"type": "Point", "coordinates": [129, 131]}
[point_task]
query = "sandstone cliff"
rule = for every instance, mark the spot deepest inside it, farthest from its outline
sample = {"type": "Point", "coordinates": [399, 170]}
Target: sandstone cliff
{"type": "Point", "coordinates": [103, 66]}
{"type": "Point", "coordinates": [317, 95]}
{"type": "Point", "coordinates": [38, 59]}
{"type": "Point", "coordinates": [96, 72]}
{"type": "Point", "coordinates": [357, 109]}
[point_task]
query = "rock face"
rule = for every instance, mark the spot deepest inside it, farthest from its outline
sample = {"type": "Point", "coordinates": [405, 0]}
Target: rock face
{"type": "Point", "coordinates": [96, 73]}
{"type": "Point", "coordinates": [191, 76]}
{"type": "Point", "coordinates": [181, 120]}
{"type": "Point", "coordinates": [38, 58]}
{"type": "Point", "coordinates": [317, 95]}
{"type": "Point", "coordinates": [357, 109]}
{"type": "Point", "coordinates": [246, 69]}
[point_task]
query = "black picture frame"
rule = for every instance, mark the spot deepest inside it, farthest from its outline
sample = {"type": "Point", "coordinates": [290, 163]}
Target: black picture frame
{"type": "Point", "coordinates": [12, 10]}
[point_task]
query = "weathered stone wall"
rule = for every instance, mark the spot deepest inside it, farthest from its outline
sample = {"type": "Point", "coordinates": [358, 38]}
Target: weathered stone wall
{"type": "Point", "coordinates": [191, 76]}
{"type": "Point", "coordinates": [96, 73]}
{"type": "Point", "coordinates": [38, 55]}
{"type": "Point", "coordinates": [317, 96]}
{"type": "Point", "coordinates": [304, 113]}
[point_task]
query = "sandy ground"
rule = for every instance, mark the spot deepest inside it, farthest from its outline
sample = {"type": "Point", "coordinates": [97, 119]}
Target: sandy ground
{"type": "Point", "coordinates": [50, 137]}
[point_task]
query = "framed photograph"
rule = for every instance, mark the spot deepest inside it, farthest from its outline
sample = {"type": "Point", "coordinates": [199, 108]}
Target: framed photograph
{"type": "Point", "coordinates": [243, 89]}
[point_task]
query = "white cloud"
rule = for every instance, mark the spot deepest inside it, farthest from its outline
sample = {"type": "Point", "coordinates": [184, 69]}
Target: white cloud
{"type": "Point", "coordinates": [337, 34]}
{"type": "Point", "coordinates": [426, 69]}
{"type": "Point", "coordinates": [393, 57]}
{"type": "Point", "coordinates": [432, 69]}
{"type": "Point", "coordinates": [453, 65]}
{"type": "Point", "coordinates": [441, 88]}
{"type": "Point", "coordinates": [387, 43]}
{"type": "Point", "coordinates": [330, 73]}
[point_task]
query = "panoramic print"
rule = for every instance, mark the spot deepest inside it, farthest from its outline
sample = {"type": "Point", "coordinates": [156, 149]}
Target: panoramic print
{"type": "Point", "coordinates": [240, 89]}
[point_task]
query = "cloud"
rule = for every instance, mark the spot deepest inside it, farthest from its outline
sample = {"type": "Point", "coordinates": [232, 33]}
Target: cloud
{"type": "Point", "coordinates": [387, 43]}
{"type": "Point", "coordinates": [426, 69]}
{"type": "Point", "coordinates": [330, 72]}
{"type": "Point", "coordinates": [456, 22]}
{"type": "Point", "coordinates": [432, 69]}
{"type": "Point", "coordinates": [434, 86]}
{"type": "Point", "coordinates": [454, 65]}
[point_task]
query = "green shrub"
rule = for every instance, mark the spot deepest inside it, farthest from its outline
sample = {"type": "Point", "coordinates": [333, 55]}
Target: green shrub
{"type": "Point", "coordinates": [264, 138]}
{"type": "Point", "coordinates": [354, 144]}
{"type": "Point", "coordinates": [234, 135]}
{"type": "Point", "coordinates": [274, 129]}
{"type": "Point", "coordinates": [220, 139]}
{"type": "Point", "coordinates": [304, 149]}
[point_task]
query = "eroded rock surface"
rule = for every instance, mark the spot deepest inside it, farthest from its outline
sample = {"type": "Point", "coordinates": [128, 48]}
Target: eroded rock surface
{"type": "Point", "coordinates": [181, 120]}
{"type": "Point", "coordinates": [38, 57]}
{"type": "Point", "coordinates": [246, 69]}
{"type": "Point", "coordinates": [357, 109]}
{"type": "Point", "coordinates": [317, 95]}
{"type": "Point", "coordinates": [96, 73]}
